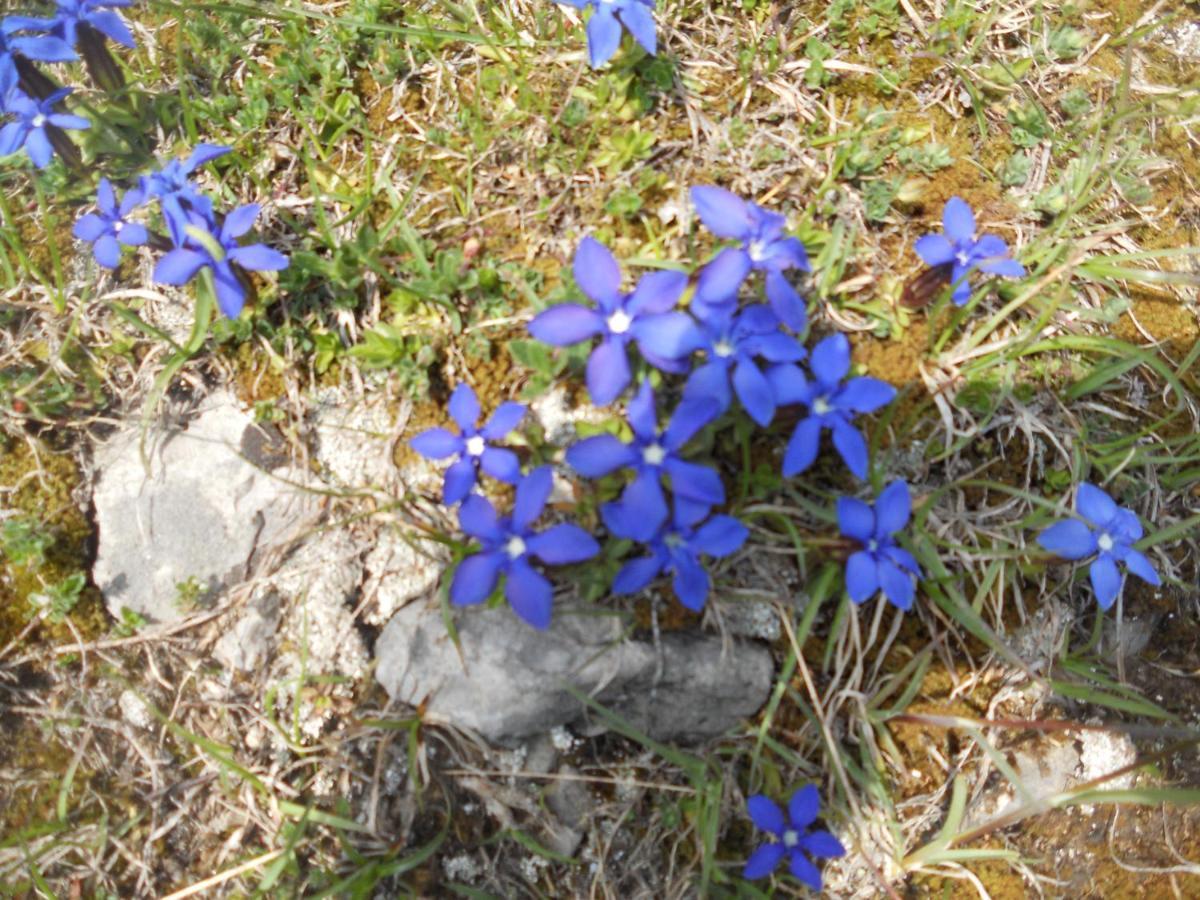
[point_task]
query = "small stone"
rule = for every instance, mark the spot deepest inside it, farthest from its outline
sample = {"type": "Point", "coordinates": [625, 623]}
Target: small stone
{"type": "Point", "coordinates": [134, 709]}
{"type": "Point", "coordinates": [245, 645]}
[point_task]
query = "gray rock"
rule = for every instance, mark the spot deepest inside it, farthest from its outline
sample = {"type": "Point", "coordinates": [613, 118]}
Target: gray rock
{"type": "Point", "coordinates": [245, 645]}
{"type": "Point", "coordinates": [199, 512]}
{"type": "Point", "coordinates": [397, 573]}
{"type": "Point", "coordinates": [510, 680]}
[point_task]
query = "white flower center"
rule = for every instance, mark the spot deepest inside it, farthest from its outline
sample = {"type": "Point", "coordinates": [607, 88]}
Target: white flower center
{"type": "Point", "coordinates": [38, 121]}
{"type": "Point", "coordinates": [873, 545]}
{"type": "Point", "coordinates": [619, 322]}
{"type": "Point", "coordinates": [515, 548]}
{"type": "Point", "coordinates": [654, 455]}
{"type": "Point", "coordinates": [475, 446]}
{"type": "Point", "coordinates": [117, 226]}
{"type": "Point", "coordinates": [821, 406]}
{"type": "Point", "coordinates": [791, 838]}
{"type": "Point", "coordinates": [723, 349]}
{"type": "Point", "coordinates": [674, 539]}
{"type": "Point", "coordinates": [757, 250]}
{"type": "Point", "coordinates": [963, 257]}
{"type": "Point", "coordinates": [1104, 542]}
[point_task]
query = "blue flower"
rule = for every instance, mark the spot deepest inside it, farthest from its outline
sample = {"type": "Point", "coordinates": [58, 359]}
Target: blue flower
{"type": "Point", "coordinates": [220, 251]}
{"type": "Point", "coordinates": [31, 119]}
{"type": "Point", "coordinates": [830, 403]}
{"type": "Point", "coordinates": [46, 48]}
{"type": "Point", "coordinates": [880, 565]}
{"type": "Point", "coordinates": [645, 316]}
{"type": "Point", "coordinates": [172, 186]}
{"type": "Point", "coordinates": [732, 344]}
{"type": "Point", "coordinates": [764, 248]}
{"type": "Point", "coordinates": [792, 836]}
{"type": "Point", "coordinates": [675, 547]}
{"type": "Point", "coordinates": [1109, 532]}
{"type": "Point", "coordinates": [471, 445]}
{"type": "Point", "coordinates": [604, 27]}
{"type": "Point", "coordinates": [964, 252]}
{"type": "Point", "coordinates": [71, 14]}
{"type": "Point", "coordinates": [653, 454]}
{"type": "Point", "coordinates": [507, 546]}
{"type": "Point", "coordinates": [108, 228]}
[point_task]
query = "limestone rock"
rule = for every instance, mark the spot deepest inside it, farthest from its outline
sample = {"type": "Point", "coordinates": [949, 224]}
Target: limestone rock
{"type": "Point", "coordinates": [509, 681]}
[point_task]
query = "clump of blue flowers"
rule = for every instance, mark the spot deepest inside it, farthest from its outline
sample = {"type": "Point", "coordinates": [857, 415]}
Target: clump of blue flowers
{"type": "Point", "coordinates": [964, 251]}
{"type": "Point", "coordinates": [792, 837]}
{"type": "Point", "coordinates": [1107, 532]}
{"type": "Point", "coordinates": [608, 18]}
{"type": "Point", "coordinates": [881, 565]}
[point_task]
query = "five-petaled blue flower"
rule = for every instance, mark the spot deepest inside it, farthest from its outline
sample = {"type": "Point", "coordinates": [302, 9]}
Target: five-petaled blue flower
{"type": "Point", "coordinates": [70, 14]}
{"type": "Point", "coordinates": [28, 129]}
{"type": "Point", "coordinates": [472, 444]}
{"type": "Point", "coordinates": [507, 545]}
{"type": "Point", "coordinates": [604, 27]}
{"type": "Point", "coordinates": [764, 247]}
{"type": "Point", "coordinates": [173, 187]}
{"type": "Point", "coordinates": [675, 547]}
{"type": "Point", "coordinates": [645, 316]}
{"type": "Point", "coordinates": [732, 344]}
{"type": "Point", "coordinates": [1110, 532]}
{"type": "Point", "coordinates": [960, 248]}
{"type": "Point", "coordinates": [653, 454]}
{"type": "Point", "coordinates": [43, 48]}
{"type": "Point", "coordinates": [831, 404]}
{"type": "Point", "coordinates": [219, 251]}
{"type": "Point", "coordinates": [792, 836]}
{"type": "Point", "coordinates": [109, 227]}
{"type": "Point", "coordinates": [880, 565]}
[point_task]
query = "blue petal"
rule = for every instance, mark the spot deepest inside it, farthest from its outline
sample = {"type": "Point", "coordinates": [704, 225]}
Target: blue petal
{"type": "Point", "coordinates": [641, 511]}
{"type": "Point", "coordinates": [766, 814]}
{"type": "Point", "coordinates": [133, 235]}
{"type": "Point", "coordinates": [106, 200]}
{"type": "Point", "coordinates": [787, 253]}
{"type": "Point", "coordinates": [753, 389]}
{"type": "Point", "coordinates": [596, 456]}
{"type": "Point", "coordinates": [437, 443]}
{"type": "Point", "coordinates": [789, 385]}
{"type": "Point", "coordinates": [44, 49]}
{"type": "Point", "coordinates": [1009, 268]}
{"type": "Point", "coordinates": [475, 578]}
{"type": "Point", "coordinates": [529, 594]}
{"type": "Point", "coordinates": [568, 323]}
{"type": "Point", "coordinates": [695, 482]}
{"type": "Point", "coordinates": [786, 301]}
{"type": "Point", "coordinates": [65, 120]}
{"type": "Point", "coordinates": [690, 582]}
{"type": "Point", "coordinates": [464, 407]}
{"type": "Point", "coordinates": [501, 464]}
{"type": "Point", "coordinates": [958, 221]}
{"type": "Point", "coordinates": [764, 861]}
{"type": "Point", "coordinates": [532, 493]}
{"type": "Point", "coordinates": [962, 289]}
{"type": "Point", "coordinates": [689, 417]}
{"type": "Point", "coordinates": [231, 295]}
{"type": "Point", "coordinates": [112, 26]}
{"type": "Point", "coordinates": [1137, 564]}
{"type": "Point", "coordinates": [709, 382]}
{"type": "Point", "coordinates": [459, 480]}
{"type": "Point", "coordinates": [934, 249]}
{"type": "Point", "coordinates": [1125, 526]}
{"type": "Point", "coordinates": [560, 545]}
{"type": "Point", "coordinates": [637, 573]}
{"type": "Point", "coordinates": [596, 270]}
{"type": "Point", "coordinates": [776, 347]}
{"type": "Point", "coordinates": [804, 871]}
{"type": "Point", "coordinates": [607, 372]}
{"type": "Point", "coordinates": [38, 146]}
{"type": "Point", "coordinates": [90, 227]}
{"type": "Point", "coordinates": [204, 153]}
{"type": "Point", "coordinates": [258, 258]}
{"type": "Point", "coordinates": [862, 576]}
{"type": "Point", "coordinates": [107, 251]}
{"type": "Point", "coordinates": [643, 414]}
{"type": "Point", "coordinates": [477, 517]}
{"type": "Point", "coordinates": [830, 360]}
{"type": "Point", "coordinates": [656, 292]}
{"type": "Point", "coordinates": [864, 394]}
{"type": "Point", "coordinates": [724, 214]}
{"type": "Point", "coordinates": [720, 280]}
{"type": "Point", "coordinates": [604, 36]}
{"type": "Point", "coordinates": [803, 806]}
{"type": "Point", "coordinates": [506, 417]}
{"type": "Point", "coordinates": [855, 519]}
{"type": "Point", "coordinates": [892, 509]}
{"type": "Point", "coordinates": [672, 335]}
{"type": "Point", "coordinates": [896, 584]}
{"type": "Point", "coordinates": [1070, 539]}
{"type": "Point", "coordinates": [239, 221]}
{"type": "Point", "coordinates": [1095, 505]}
{"type": "Point", "coordinates": [902, 558]}
{"type": "Point", "coordinates": [12, 136]}
{"type": "Point", "coordinates": [802, 447]}
{"type": "Point", "coordinates": [1106, 580]}
{"type": "Point", "coordinates": [178, 267]}
{"type": "Point", "coordinates": [640, 22]}
{"type": "Point", "coordinates": [851, 446]}
{"type": "Point", "coordinates": [719, 536]}
{"type": "Point", "coordinates": [822, 845]}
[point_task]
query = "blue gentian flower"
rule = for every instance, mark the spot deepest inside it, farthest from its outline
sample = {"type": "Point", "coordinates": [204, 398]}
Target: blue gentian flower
{"type": "Point", "coordinates": [653, 454]}
{"type": "Point", "coordinates": [28, 129]}
{"type": "Point", "coordinates": [831, 404]}
{"type": "Point", "coordinates": [675, 547]}
{"type": "Point", "coordinates": [732, 344]}
{"type": "Point", "coordinates": [472, 445]}
{"type": "Point", "coordinates": [964, 251]}
{"type": "Point", "coordinates": [764, 248]}
{"type": "Point", "coordinates": [644, 316]}
{"type": "Point", "coordinates": [43, 48]}
{"type": "Point", "coordinates": [109, 227]}
{"type": "Point", "coordinates": [172, 186]}
{"type": "Point", "coordinates": [219, 251]}
{"type": "Point", "coordinates": [604, 27]}
{"type": "Point", "coordinates": [70, 14]}
{"type": "Point", "coordinates": [880, 565]}
{"type": "Point", "coordinates": [792, 836]}
{"type": "Point", "coordinates": [1109, 532]}
{"type": "Point", "coordinates": [509, 543]}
